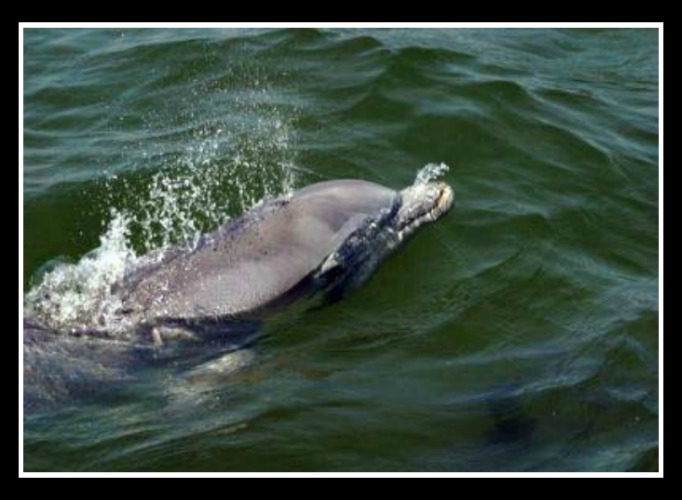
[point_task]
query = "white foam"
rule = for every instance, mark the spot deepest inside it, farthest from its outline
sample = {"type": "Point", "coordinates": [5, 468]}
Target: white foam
{"type": "Point", "coordinates": [430, 172]}
{"type": "Point", "coordinates": [78, 294]}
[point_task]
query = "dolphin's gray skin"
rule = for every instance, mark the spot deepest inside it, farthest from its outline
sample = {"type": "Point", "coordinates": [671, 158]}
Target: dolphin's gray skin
{"type": "Point", "coordinates": [325, 237]}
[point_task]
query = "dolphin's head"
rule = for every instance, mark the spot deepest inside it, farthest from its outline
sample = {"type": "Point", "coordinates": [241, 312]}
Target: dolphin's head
{"type": "Point", "coordinates": [420, 204]}
{"type": "Point", "coordinates": [381, 230]}
{"type": "Point", "coordinates": [339, 209]}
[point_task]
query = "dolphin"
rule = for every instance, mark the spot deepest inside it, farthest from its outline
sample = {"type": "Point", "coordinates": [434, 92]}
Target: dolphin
{"type": "Point", "coordinates": [325, 238]}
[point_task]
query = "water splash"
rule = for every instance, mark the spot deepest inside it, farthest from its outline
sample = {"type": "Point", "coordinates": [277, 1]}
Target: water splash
{"type": "Point", "coordinates": [227, 164]}
{"type": "Point", "coordinates": [430, 172]}
{"type": "Point", "coordinates": [78, 294]}
{"type": "Point", "coordinates": [197, 179]}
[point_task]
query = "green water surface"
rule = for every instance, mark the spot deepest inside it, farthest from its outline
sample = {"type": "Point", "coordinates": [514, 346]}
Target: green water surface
{"type": "Point", "coordinates": [519, 333]}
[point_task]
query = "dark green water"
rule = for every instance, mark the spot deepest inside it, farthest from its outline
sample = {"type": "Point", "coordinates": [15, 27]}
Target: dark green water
{"type": "Point", "coordinates": [519, 333]}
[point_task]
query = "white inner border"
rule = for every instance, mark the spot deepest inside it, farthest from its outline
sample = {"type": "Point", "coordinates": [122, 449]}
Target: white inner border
{"type": "Point", "coordinates": [659, 26]}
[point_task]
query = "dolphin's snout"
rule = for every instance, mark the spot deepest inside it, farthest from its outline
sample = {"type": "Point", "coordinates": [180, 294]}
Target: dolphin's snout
{"type": "Point", "coordinates": [425, 202]}
{"type": "Point", "coordinates": [445, 199]}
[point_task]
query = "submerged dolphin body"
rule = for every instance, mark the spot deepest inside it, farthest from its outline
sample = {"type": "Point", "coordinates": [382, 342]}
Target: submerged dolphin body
{"type": "Point", "coordinates": [326, 238]}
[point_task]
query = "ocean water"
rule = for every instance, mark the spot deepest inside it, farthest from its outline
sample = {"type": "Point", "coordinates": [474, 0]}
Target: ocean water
{"type": "Point", "coordinates": [518, 333]}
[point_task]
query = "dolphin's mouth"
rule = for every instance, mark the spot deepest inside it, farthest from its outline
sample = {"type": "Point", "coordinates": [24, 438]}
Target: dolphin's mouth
{"type": "Point", "coordinates": [444, 201]}
{"type": "Point", "coordinates": [423, 203]}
